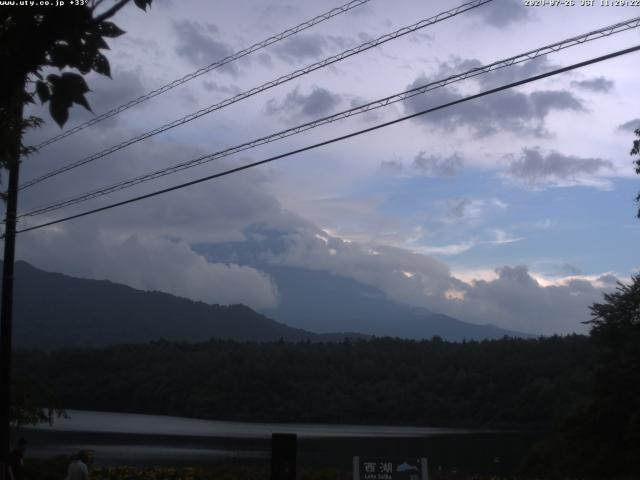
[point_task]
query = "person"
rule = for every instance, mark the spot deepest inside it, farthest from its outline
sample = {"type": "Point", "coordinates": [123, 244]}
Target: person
{"type": "Point", "coordinates": [79, 467]}
{"type": "Point", "coordinates": [16, 460]}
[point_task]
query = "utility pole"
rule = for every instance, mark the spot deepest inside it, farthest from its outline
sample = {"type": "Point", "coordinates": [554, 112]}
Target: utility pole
{"type": "Point", "coordinates": [6, 308]}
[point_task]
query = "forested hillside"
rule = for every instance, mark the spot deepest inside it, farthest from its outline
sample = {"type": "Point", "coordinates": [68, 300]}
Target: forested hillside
{"type": "Point", "coordinates": [500, 383]}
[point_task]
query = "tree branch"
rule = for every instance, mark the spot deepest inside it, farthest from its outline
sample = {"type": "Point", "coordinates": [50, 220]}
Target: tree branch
{"type": "Point", "coordinates": [111, 12]}
{"type": "Point", "coordinates": [96, 4]}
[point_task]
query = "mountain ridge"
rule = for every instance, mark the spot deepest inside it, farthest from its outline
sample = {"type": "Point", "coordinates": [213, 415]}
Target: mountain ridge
{"type": "Point", "coordinates": [84, 312]}
{"type": "Point", "coordinates": [75, 312]}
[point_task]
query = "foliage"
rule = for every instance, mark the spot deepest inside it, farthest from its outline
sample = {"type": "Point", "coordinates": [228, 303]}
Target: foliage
{"type": "Point", "coordinates": [613, 424]}
{"type": "Point", "coordinates": [38, 39]}
{"type": "Point", "coordinates": [618, 315]}
{"type": "Point", "coordinates": [509, 382]}
{"type": "Point", "coordinates": [600, 437]}
{"type": "Point", "coordinates": [636, 151]}
{"type": "Point", "coordinates": [26, 410]}
{"type": "Point", "coordinates": [54, 469]}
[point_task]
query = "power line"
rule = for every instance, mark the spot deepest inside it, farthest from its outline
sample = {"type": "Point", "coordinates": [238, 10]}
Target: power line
{"type": "Point", "coordinates": [573, 41]}
{"type": "Point", "coordinates": [265, 86]}
{"type": "Point", "coordinates": [338, 139]}
{"type": "Point", "coordinates": [231, 58]}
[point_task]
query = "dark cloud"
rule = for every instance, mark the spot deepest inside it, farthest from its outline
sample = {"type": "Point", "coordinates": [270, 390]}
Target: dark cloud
{"type": "Point", "coordinates": [507, 110]}
{"type": "Point", "coordinates": [212, 86]}
{"type": "Point", "coordinates": [598, 84]}
{"type": "Point", "coordinates": [342, 42]}
{"type": "Point", "coordinates": [630, 126]}
{"type": "Point", "coordinates": [567, 269]}
{"type": "Point", "coordinates": [538, 170]}
{"type": "Point", "coordinates": [107, 93]}
{"type": "Point", "coordinates": [544, 102]}
{"type": "Point", "coordinates": [437, 166]}
{"type": "Point", "coordinates": [459, 208]}
{"type": "Point", "coordinates": [197, 44]}
{"type": "Point", "coordinates": [517, 299]}
{"type": "Point", "coordinates": [497, 77]}
{"type": "Point", "coordinates": [369, 116]}
{"type": "Point", "coordinates": [278, 11]}
{"type": "Point", "coordinates": [265, 59]}
{"type": "Point", "coordinates": [301, 47]}
{"type": "Point", "coordinates": [608, 280]}
{"type": "Point", "coordinates": [319, 103]}
{"type": "Point", "coordinates": [392, 166]}
{"type": "Point", "coordinates": [503, 12]}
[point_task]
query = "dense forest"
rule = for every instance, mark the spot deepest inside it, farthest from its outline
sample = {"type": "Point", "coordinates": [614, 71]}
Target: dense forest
{"type": "Point", "coordinates": [502, 383]}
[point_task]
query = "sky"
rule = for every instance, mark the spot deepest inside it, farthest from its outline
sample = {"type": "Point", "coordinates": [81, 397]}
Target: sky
{"type": "Point", "coordinates": [516, 209]}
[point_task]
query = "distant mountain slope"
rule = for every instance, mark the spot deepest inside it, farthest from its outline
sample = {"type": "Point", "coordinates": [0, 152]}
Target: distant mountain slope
{"type": "Point", "coordinates": [53, 310]}
{"type": "Point", "coordinates": [323, 302]}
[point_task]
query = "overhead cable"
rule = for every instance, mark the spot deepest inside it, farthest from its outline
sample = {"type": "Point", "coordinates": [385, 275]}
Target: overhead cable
{"type": "Point", "coordinates": [220, 63]}
{"type": "Point", "coordinates": [336, 139]}
{"type": "Point", "coordinates": [383, 102]}
{"type": "Point", "coordinates": [265, 86]}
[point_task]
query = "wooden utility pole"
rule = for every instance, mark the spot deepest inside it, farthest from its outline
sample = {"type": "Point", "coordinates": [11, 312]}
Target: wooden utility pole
{"type": "Point", "coordinates": [6, 308]}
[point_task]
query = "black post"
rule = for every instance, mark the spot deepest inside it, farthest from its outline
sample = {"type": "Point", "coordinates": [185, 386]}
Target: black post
{"type": "Point", "coordinates": [283, 456]}
{"type": "Point", "coordinates": [6, 309]}
{"type": "Point", "coordinates": [6, 313]}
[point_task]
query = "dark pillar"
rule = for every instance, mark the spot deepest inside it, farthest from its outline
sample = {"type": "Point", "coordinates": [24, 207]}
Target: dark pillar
{"type": "Point", "coordinates": [283, 456]}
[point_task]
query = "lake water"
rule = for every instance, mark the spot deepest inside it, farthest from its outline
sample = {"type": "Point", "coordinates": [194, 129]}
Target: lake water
{"type": "Point", "coordinates": [132, 439]}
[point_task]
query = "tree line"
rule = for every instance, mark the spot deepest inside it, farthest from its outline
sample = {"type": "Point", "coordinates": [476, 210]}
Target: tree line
{"type": "Point", "coordinates": [510, 383]}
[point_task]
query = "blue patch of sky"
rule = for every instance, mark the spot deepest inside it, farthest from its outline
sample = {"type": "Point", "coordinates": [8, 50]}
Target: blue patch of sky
{"type": "Point", "coordinates": [595, 230]}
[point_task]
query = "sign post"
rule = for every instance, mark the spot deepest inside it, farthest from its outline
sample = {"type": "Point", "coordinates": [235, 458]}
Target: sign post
{"type": "Point", "coordinates": [383, 468]}
{"type": "Point", "coordinates": [283, 456]}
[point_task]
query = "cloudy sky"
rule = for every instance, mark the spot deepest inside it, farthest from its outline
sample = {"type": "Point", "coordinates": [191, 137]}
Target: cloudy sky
{"type": "Point", "coordinates": [516, 209]}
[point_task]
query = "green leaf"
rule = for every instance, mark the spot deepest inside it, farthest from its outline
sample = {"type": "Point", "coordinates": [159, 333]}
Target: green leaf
{"type": "Point", "coordinates": [142, 4]}
{"type": "Point", "coordinates": [81, 100]}
{"type": "Point", "coordinates": [101, 65]}
{"type": "Point", "coordinates": [110, 30]}
{"type": "Point", "coordinates": [59, 111]}
{"type": "Point", "coordinates": [60, 56]}
{"type": "Point", "coordinates": [42, 89]}
{"type": "Point", "coordinates": [54, 80]}
{"type": "Point", "coordinates": [75, 84]}
{"type": "Point", "coordinates": [84, 62]}
{"type": "Point", "coordinates": [97, 42]}
{"type": "Point", "coordinates": [66, 90]}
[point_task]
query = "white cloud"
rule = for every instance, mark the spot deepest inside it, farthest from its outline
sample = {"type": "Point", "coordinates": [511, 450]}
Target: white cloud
{"type": "Point", "coordinates": [148, 263]}
{"type": "Point", "coordinates": [453, 249]}
{"type": "Point", "coordinates": [502, 238]}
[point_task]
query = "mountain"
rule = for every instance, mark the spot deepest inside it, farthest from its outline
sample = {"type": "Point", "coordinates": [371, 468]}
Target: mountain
{"type": "Point", "coordinates": [53, 310]}
{"type": "Point", "coordinates": [321, 301]}
{"type": "Point", "coordinates": [324, 302]}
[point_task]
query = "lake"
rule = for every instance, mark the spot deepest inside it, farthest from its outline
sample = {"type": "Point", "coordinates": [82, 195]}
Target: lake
{"type": "Point", "coordinates": [133, 439]}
